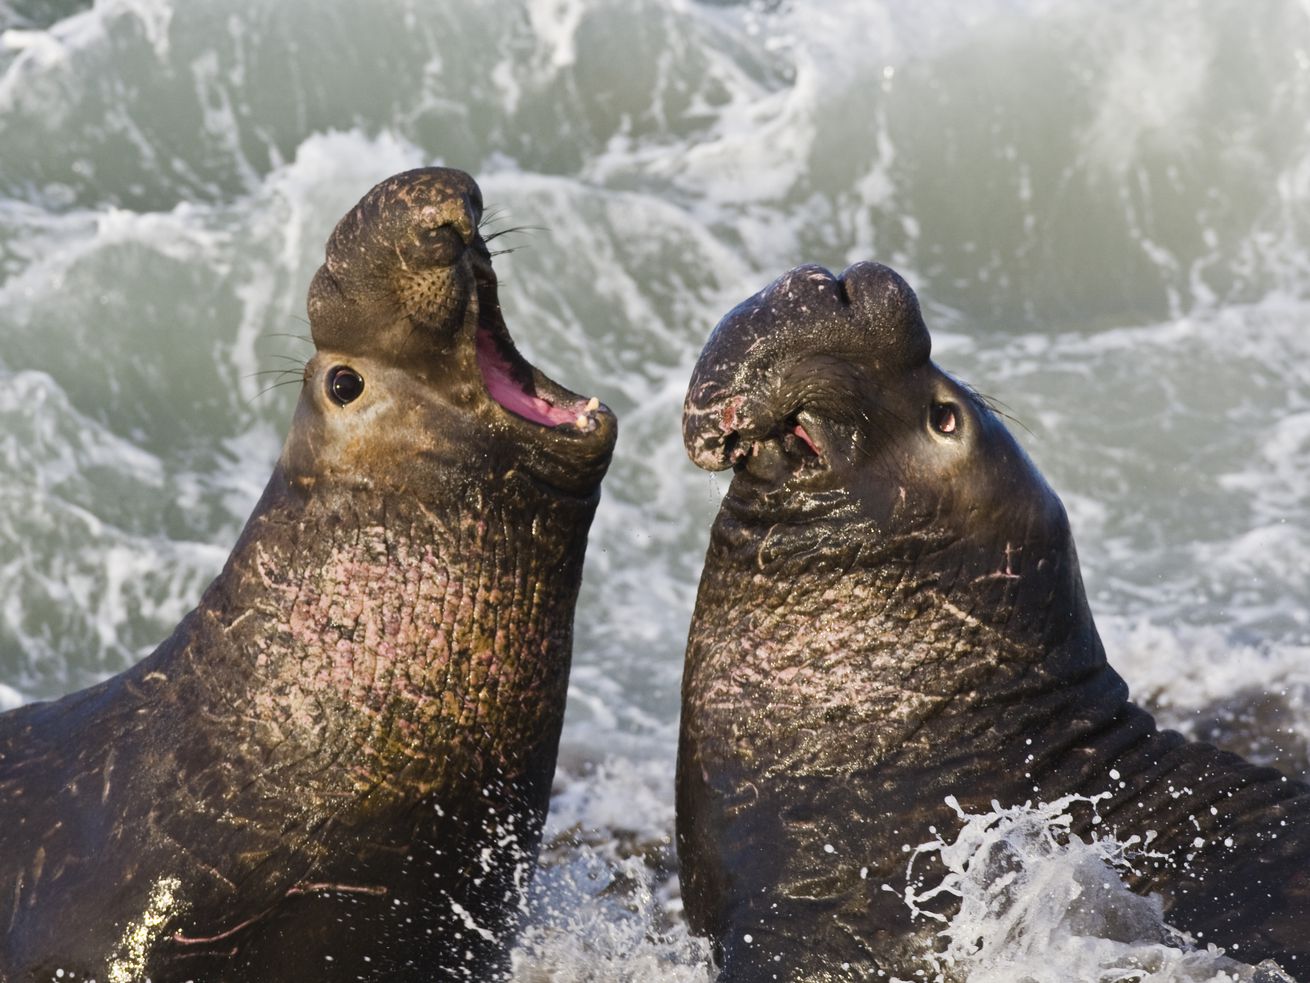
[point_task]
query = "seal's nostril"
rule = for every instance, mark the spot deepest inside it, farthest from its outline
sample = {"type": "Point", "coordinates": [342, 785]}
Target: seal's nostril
{"type": "Point", "coordinates": [459, 215]}
{"type": "Point", "coordinates": [444, 244]}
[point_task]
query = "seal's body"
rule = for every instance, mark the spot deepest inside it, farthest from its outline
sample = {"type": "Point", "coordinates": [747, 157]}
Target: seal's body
{"type": "Point", "coordinates": [338, 765]}
{"type": "Point", "coordinates": [891, 613]}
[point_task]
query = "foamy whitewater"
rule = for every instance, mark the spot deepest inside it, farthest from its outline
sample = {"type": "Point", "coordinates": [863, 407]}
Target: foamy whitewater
{"type": "Point", "coordinates": [1104, 207]}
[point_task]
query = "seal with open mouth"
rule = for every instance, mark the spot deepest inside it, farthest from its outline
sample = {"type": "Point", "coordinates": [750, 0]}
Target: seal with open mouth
{"type": "Point", "coordinates": [338, 765]}
{"type": "Point", "coordinates": [891, 613]}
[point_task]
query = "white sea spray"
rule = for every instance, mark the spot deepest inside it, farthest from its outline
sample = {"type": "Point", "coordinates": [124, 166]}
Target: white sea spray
{"type": "Point", "coordinates": [1040, 905]}
{"type": "Point", "coordinates": [597, 920]}
{"type": "Point", "coordinates": [605, 905]}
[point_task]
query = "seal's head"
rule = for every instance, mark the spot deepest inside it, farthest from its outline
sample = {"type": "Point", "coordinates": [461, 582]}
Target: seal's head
{"type": "Point", "coordinates": [820, 392]}
{"type": "Point", "coordinates": [415, 363]}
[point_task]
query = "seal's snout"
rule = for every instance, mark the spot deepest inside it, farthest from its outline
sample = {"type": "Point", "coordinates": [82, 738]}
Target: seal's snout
{"type": "Point", "coordinates": [421, 218]}
{"type": "Point", "coordinates": [409, 254]}
{"type": "Point", "coordinates": [755, 376]}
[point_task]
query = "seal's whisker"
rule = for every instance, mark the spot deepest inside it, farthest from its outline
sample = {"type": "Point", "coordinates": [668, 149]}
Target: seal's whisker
{"type": "Point", "coordinates": [997, 407]}
{"type": "Point", "coordinates": [877, 456]}
{"type": "Point", "coordinates": [282, 371]}
{"type": "Point", "coordinates": [412, 333]}
{"type": "Point", "coordinates": [270, 388]}
{"type": "Point", "coordinates": [514, 228]}
{"type": "Point", "coordinates": [295, 337]}
{"type": "Point", "coordinates": [1015, 420]}
{"type": "Point", "coordinates": [895, 417]}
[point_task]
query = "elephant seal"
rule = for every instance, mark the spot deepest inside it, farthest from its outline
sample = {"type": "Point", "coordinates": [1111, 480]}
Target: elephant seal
{"type": "Point", "coordinates": [337, 766]}
{"type": "Point", "coordinates": [890, 614]}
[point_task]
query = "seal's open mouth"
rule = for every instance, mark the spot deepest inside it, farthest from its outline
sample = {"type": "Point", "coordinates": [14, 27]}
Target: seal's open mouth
{"type": "Point", "coordinates": [806, 443]}
{"type": "Point", "coordinates": [523, 398]}
{"type": "Point", "coordinates": [791, 447]}
{"type": "Point", "coordinates": [519, 387]}
{"type": "Point", "coordinates": [746, 432]}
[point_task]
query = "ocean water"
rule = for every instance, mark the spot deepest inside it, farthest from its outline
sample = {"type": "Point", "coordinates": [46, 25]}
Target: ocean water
{"type": "Point", "coordinates": [1104, 207]}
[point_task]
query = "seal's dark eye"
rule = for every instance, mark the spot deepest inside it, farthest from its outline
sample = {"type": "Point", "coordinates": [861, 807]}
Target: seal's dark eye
{"type": "Point", "coordinates": [344, 385]}
{"type": "Point", "coordinates": [944, 418]}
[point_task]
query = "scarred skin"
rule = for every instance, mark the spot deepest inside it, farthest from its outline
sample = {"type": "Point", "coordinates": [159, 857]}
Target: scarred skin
{"type": "Point", "coordinates": [337, 766]}
{"type": "Point", "coordinates": [891, 613]}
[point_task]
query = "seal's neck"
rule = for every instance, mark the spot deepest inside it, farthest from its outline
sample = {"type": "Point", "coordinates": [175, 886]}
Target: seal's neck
{"type": "Point", "coordinates": [833, 616]}
{"type": "Point", "coordinates": [390, 633]}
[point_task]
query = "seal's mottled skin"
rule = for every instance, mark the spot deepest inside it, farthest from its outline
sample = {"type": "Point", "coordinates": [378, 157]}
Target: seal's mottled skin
{"type": "Point", "coordinates": [891, 613]}
{"type": "Point", "coordinates": [337, 766]}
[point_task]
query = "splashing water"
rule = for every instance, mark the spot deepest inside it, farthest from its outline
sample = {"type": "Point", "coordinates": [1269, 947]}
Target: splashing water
{"type": "Point", "coordinates": [597, 919]}
{"type": "Point", "coordinates": [1037, 904]}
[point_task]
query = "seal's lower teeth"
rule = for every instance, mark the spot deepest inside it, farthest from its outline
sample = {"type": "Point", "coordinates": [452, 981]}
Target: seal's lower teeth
{"type": "Point", "coordinates": [581, 421]}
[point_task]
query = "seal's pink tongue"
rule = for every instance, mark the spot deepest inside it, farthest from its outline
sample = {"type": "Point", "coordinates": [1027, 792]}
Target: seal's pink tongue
{"type": "Point", "coordinates": [509, 394]}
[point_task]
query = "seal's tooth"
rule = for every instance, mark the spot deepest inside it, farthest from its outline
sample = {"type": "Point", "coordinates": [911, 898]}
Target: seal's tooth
{"type": "Point", "coordinates": [581, 421]}
{"type": "Point", "coordinates": [593, 404]}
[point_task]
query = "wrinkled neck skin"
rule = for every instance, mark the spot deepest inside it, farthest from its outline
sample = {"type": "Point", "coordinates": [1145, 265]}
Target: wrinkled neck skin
{"type": "Point", "coordinates": [857, 610]}
{"type": "Point", "coordinates": [360, 718]}
{"type": "Point", "coordinates": [397, 636]}
{"type": "Point", "coordinates": [843, 681]}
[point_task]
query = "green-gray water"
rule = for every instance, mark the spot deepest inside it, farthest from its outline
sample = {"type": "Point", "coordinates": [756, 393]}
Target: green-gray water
{"type": "Point", "coordinates": [1105, 209]}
